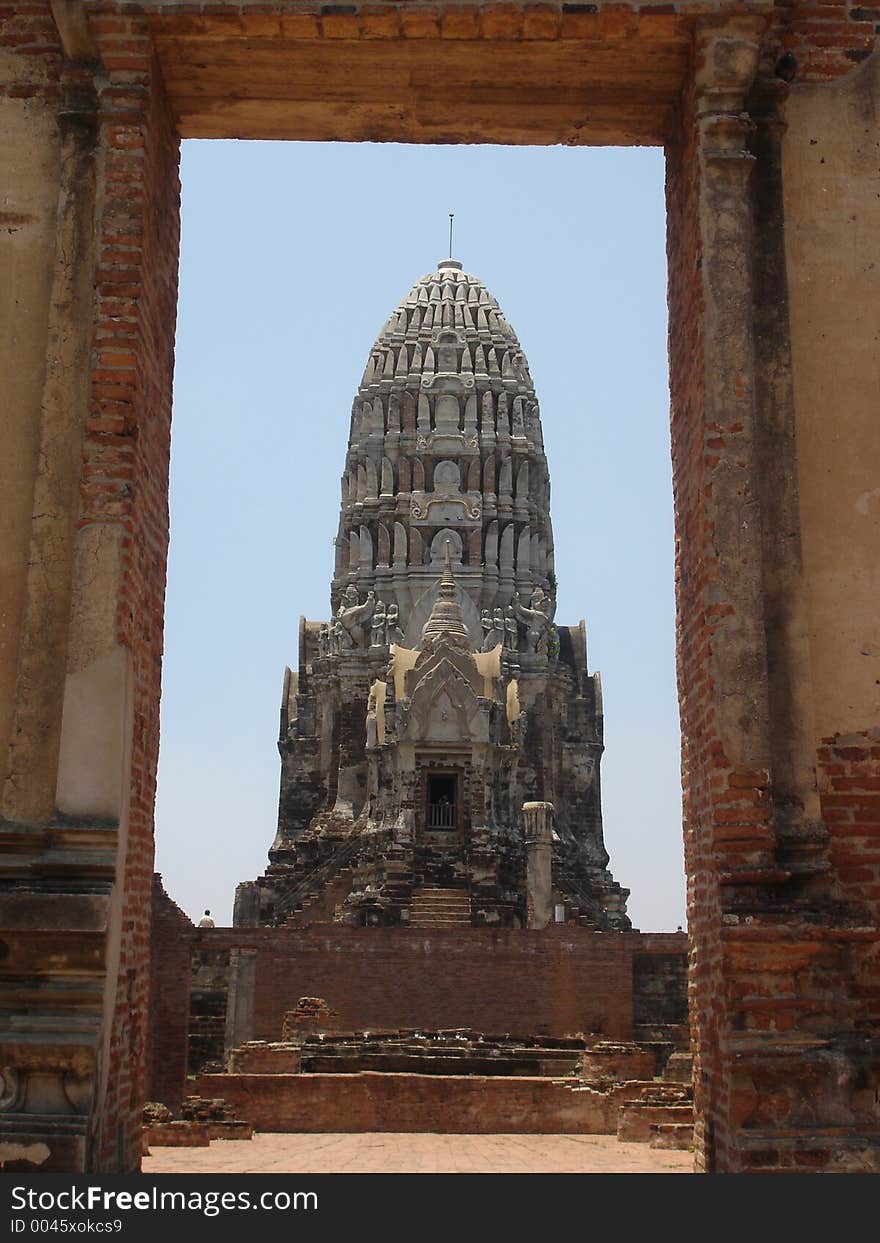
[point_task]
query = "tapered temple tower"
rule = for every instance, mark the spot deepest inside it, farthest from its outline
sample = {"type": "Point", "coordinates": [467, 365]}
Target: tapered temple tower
{"type": "Point", "coordinates": [441, 737]}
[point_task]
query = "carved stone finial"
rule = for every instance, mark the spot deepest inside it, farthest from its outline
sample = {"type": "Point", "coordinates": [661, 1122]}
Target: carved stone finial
{"type": "Point", "coordinates": [446, 617]}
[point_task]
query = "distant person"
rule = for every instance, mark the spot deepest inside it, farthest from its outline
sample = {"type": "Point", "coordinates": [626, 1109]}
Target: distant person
{"type": "Point", "coordinates": [206, 921]}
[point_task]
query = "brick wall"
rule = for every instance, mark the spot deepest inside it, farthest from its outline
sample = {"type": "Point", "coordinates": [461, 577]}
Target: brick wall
{"type": "Point", "coordinates": [30, 31]}
{"type": "Point", "coordinates": [689, 449]}
{"type": "Point", "coordinates": [849, 789]}
{"type": "Point", "coordinates": [827, 39]}
{"type": "Point", "coordinates": [170, 971]}
{"type": "Point", "coordinates": [208, 1003]}
{"type": "Point", "coordinates": [659, 987]}
{"type": "Point", "coordinates": [467, 1105]}
{"type": "Point", "coordinates": [558, 982]}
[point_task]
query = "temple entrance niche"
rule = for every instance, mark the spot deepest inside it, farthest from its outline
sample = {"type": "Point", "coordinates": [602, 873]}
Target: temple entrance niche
{"type": "Point", "coordinates": [441, 847]}
{"type": "Point", "coordinates": [442, 805]}
{"type": "Point", "coordinates": [440, 856]}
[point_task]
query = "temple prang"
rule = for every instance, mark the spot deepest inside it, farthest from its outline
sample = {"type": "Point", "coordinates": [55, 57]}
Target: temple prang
{"type": "Point", "coordinates": [441, 696]}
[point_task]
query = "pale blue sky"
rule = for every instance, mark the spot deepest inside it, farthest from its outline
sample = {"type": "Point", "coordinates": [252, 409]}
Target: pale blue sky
{"type": "Point", "coordinates": [293, 256]}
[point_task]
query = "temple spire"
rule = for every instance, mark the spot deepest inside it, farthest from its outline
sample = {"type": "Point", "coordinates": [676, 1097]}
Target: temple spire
{"type": "Point", "coordinates": [447, 580]}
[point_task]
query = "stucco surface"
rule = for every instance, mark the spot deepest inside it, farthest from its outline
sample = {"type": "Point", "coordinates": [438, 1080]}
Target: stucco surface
{"type": "Point", "coordinates": [831, 160]}
{"type": "Point", "coordinates": [29, 177]}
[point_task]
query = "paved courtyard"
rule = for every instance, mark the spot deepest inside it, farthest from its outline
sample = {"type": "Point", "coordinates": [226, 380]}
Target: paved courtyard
{"type": "Point", "coordinates": [392, 1153]}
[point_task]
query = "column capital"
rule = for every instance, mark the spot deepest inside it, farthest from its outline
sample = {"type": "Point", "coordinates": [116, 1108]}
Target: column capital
{"type": "Point", "coordinates": [539, 822]}
{"type": "Point", "coordinates": [727, 52]}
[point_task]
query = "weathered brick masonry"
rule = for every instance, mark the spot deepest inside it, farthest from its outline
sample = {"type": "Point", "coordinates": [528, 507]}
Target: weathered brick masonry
{"type": "Point", "coordinates": [561, 982]}
{"type": "Point", "coordinates": [783, 885]}
{"type": "Point", "coordinates": [469, 1105]}
{"type": "Point", "coordinates": [168, 1015]}
{"type": "Point", "coordinates": [122, 444]}
{"type": "Point", "coordinates": [125, 471]}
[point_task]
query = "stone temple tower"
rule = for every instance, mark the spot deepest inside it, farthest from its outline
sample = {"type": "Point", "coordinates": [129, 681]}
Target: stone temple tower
{"type": "Point", "coordinates": [441, 736]}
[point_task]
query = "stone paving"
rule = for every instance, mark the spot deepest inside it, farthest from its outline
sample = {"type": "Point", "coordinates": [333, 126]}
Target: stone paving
{"type": "Point", "coordinates": [393, 1153]}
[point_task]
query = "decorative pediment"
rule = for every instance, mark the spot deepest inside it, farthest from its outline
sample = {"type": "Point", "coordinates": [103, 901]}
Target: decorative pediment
{"type": "Point", "coordinates": [449, 441]}
{"type": "Point", "coordinates": [448, 382]}
{"type": "Point", "coordinates": [430, 508]}
{"type": "Point", "coordinates": [444, 704]}
{"type": "Point", "coordinates": [443, 661]}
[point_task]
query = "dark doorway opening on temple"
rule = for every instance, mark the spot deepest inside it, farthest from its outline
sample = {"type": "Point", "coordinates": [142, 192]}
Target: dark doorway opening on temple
{"type": "Point", "coordinates": [442, 801]}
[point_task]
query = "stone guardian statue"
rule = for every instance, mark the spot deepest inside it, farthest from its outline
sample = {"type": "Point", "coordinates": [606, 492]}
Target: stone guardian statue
{"type": "Point", "coordinates": [348, 625]}
{"type": "Point", "coordinates": [537, 619]}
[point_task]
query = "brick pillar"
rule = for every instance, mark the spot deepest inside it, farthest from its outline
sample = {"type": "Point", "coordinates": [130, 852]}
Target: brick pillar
{"type": "Point", "coordinates": [170, 974]}
{"type": "Point", "coordinates": [722, 659]}
{"type": "Point", "coordinates": [777, 1056]}
{"type": "Point", "coordinates": [79, 797]}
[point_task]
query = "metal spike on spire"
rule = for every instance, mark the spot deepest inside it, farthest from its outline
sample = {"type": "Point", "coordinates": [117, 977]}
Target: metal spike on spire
{"type": "Point", "coordinates": [451, 218]}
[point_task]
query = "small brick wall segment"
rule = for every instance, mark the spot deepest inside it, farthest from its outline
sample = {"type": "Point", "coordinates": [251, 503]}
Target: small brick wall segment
{"type": "Point", "coordinates": [170, 973]}
{"type": "Point", "coordinates": [465, 1105]}
{"type": "Point", "coordinates": [849, 790]}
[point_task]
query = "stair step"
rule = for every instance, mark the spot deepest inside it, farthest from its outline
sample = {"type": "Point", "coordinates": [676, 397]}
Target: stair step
{"type": "Point", "coordinates": [435, 907]}
{"type": "Point", "coordinates": [441, 922]}
{"type": "Point", "coordinates": [442, 906]}
{"type": "Point", "coordinates": [420, 922]}
{"type": "Point", "coordinates": [636, 1121]}
{"type": "Point", "coordinates": [415, 920]}
{"type": "Point", "coordinates": [434, 898]}
{"type": "Point", "coordinates": [440, 901]}
{"type": "Point", "coordinates": [443, 909]}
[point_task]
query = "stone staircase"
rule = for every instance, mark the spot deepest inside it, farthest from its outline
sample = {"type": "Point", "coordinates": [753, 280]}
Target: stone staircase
{"type": "Point", "coordinates": [663, 1116]}
{"type": "Point", "coordinates": [440, 908]}
{"type": "Point", "coordinates": [309, 895]}
{"type": "Point", "coordinates": [321, 903]}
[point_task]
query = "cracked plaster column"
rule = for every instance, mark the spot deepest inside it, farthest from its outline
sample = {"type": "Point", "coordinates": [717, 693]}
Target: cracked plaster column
{"type": "Point", "coordinates": [539, 847]}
